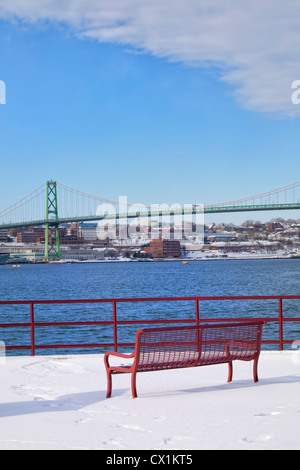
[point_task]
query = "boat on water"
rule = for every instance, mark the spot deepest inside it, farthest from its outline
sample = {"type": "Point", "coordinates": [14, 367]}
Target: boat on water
{"type": "Point", "coordinates": [185, 262]}
{"type": "Point", "coordinates": [16, 266]}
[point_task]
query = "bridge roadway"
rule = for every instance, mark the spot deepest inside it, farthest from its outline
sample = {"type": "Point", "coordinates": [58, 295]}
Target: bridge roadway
{"type": "Point", "coordinates": [156, 213]}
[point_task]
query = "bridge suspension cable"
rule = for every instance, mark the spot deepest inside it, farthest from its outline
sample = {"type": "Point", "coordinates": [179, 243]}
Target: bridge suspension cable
{"type": "Point", "coordinates": [23, 201]}
{"type": "Point", "coordinates": [100, 199]}
{"type": "Point", "coordinates": [267, 194]}
{"type": "Point", "coordinates": [258, 196]}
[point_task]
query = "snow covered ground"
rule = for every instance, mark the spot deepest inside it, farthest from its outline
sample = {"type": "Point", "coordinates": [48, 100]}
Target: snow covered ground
{"type": "Point", "coordinates": [58, 402]}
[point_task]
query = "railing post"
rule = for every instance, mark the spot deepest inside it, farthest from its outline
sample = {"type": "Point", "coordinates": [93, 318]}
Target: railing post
{"type": "Point", "coordinates": [32, 329]}
{"type": "Point", "coordinates": [115, 326]}
{"type": "Point", "coordinates": [280, 325]}
{"type": "Point", "coordinates": [197, 312]}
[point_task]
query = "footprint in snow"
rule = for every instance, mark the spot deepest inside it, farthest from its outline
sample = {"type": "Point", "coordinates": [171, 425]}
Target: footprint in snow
{"type": "Point", "coordinates": [272, 413]}
{"type": "Point", "coordinates": [262, 439]}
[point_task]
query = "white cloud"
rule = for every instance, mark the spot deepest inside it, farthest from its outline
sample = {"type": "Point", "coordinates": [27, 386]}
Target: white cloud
{"type": "Point", "coordinates": [255, 44]}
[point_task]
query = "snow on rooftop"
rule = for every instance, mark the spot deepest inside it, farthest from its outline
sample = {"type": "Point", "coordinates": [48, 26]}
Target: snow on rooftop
{"type": "Point", "coordinates": [58, 402]}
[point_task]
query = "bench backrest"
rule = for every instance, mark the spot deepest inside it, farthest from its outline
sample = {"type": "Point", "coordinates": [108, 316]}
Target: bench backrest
{"type": "Point", "coordinates": [171, 347]}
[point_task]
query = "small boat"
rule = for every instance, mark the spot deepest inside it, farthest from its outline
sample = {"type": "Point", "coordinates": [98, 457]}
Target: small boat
{"type": "Point", "coordinates": [16, 266]}
{"type": "Point", "coordinates": [185, 262]}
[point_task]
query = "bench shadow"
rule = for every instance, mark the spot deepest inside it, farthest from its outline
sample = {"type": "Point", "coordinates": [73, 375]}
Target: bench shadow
{"type": "Point", "coordinates": [234, 385]}
{"type": "Point", "coordinates": [69, 402]}
{"type": "Point", "coordinates": [239, 384]}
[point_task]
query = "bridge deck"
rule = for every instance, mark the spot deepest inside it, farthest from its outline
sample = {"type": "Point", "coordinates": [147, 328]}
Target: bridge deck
{"type": "Point", "coordinates": [156, 213]}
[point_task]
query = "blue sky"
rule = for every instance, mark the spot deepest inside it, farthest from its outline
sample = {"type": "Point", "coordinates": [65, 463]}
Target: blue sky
{"type": "Point", "coordinates": [111, 118]}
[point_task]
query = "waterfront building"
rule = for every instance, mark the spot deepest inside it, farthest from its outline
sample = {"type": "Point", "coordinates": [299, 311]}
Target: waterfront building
{"type": "Point", "coordinates": [34, 235]}
{"type": "Point", "coordinates": [161, 248]}
{"type": "Point", "coordinates": [79, 255]}
{"type": "Point", "coordinates": [3, 235]}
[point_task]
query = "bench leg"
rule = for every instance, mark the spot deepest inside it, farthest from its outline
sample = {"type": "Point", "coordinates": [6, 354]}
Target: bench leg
{"type": "Point", "coordinates": [109, 384]}
{"type": "Point", "coordinates": [133, 384]}
{"type": "Point", "coordinates": [229, 372]}
{"type": "Point", "coordinates": [255, 375]}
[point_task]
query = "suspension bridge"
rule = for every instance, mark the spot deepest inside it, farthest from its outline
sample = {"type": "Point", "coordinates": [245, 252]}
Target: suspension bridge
{"type": "Point", "coordinates": [40, 208]}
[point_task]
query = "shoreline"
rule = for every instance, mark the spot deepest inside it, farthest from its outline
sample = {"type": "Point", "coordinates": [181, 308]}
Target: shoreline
{"type": "Point", "coordinates": [187, 260]}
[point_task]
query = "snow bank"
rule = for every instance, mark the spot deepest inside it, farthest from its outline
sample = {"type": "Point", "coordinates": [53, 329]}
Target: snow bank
{"type": "Point", "coordinates": [58, 402]}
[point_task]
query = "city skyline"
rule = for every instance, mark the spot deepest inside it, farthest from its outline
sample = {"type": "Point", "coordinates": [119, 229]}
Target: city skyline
{"type": "Point", "coordinates": [118, 98]}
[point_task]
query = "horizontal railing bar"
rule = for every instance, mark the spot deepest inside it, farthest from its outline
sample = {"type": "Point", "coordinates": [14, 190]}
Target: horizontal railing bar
{"type": "Point", "coordinates": [106, 345]}
{"type": "Point", "coordinates": [149, 299]}
{"type": "Point", "coordinates": [137, 322]}
{"type": "Point", "coordinates": [67, 346]}
{"type": "Point", "coordinates": [74, 323]}
{"type": "Point", "coordinates": [160, 320]}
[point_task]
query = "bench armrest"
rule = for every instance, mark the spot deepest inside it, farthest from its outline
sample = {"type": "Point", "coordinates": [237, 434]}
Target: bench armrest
{"type": "Point", "coordinates": [241, 343]}
{"type": "Point", "coordinates": [116, 354]}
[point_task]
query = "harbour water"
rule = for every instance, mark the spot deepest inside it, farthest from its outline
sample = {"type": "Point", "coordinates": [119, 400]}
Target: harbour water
{"type": "Point", "coordinates": [143, 279]}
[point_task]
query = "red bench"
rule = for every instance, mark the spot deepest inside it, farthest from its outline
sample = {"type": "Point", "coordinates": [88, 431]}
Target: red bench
{"type": "Point", "coordinates": [192, 346]}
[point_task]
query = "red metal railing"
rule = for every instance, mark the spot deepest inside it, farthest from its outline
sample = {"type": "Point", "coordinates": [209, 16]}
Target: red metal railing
{"type": "Point", "coordinates": [115, 323]}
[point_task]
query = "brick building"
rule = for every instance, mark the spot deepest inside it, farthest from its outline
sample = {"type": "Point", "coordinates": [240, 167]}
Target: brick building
{"type": "Point", "coordinates": [31, 235]}
{"type": "Point", "coordinates": [161, 248]}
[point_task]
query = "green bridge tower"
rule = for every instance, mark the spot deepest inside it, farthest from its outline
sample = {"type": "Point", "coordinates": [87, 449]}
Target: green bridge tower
{"type": "Point", "coordinates": [52, 248]}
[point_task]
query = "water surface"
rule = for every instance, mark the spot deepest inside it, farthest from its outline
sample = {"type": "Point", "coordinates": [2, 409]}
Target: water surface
{"type": "Point", "coordinates": [144, 279]}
